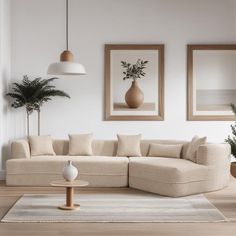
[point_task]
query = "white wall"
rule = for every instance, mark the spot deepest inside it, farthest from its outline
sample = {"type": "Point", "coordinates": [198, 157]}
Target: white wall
{"type": "Point", "coordinates": [38, 39]}
{"type": "Point", "coordinates": [4, 78]}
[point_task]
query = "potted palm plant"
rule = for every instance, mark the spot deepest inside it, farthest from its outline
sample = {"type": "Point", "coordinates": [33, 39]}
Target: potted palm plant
{"type": "Point", "coordinates": [231, 140]}
{"type": "Point", "coordinates": [134, 96]}
{"type": "Point", "coordinates": [32, 94]}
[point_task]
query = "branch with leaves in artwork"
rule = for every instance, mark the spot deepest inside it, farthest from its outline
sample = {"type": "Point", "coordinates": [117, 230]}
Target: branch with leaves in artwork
{"type": "Point", "coordinates": [135, 71]}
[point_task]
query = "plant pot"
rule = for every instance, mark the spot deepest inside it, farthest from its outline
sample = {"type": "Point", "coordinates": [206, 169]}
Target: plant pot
{"type": "Point", "coordinates": [134, 96]}
{"type": "Point", "coordinates": [69, 172]}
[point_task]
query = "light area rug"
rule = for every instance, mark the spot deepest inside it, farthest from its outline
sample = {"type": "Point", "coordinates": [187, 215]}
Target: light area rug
{"type": "Point", "coordinates": [134, 206]}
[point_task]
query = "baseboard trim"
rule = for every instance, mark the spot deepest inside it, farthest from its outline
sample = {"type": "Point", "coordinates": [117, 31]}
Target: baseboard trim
{"type": "Point", "coordinates": [2, 174]}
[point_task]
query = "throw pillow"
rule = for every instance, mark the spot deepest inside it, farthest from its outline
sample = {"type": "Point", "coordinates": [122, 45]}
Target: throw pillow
{"type": "Point", "coordinates": [129, 145]}
{"type": "Point", "coordinates": [41, 145]}
{"type": "Point", "coordinates": [165, 150]}
{"type": "Point", "coordinates": [191, 153]}
{"type": "Point", "coordinates": [80, 145]}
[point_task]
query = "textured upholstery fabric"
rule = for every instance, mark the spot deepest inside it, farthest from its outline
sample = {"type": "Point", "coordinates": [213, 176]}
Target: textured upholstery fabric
{"type": "Point", "coordinates": [214, 154]}
{"type": "Point", "coordinates": [41, 170]}
{"type": "Point", "coordinates": [193, 147]}
{"type": "Point", "coordinates": [166, 176]}
{"type": "Point", "coordinates": [165, 150]}
{"type": "Point", "coordinates": [41, 179]}
{"type": "Point", "coordinates": [172, 189]}
{"type": "Point", "coordinates": [41, 145]}
{"type": "Point", "coordinates": [129, 145]}
{"type": "Point", "coordinates": [179, 177]}
{"type": "Point", "coordinates": [20, 149]}
{"type": "Point", "coordinates": [80, 145]}
{"type": "Point", "coordinates": [167, 170]}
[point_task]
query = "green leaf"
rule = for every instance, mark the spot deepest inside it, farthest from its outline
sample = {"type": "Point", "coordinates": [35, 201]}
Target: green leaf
{"type": "Point", "coordinates": [33, 93]}
{"type": "Point", "coordinates": [134, 71]}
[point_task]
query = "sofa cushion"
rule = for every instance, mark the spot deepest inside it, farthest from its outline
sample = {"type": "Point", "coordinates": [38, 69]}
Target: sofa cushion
{"type": "Point", "coordinates": [167, 170]}
{"type": "Point", "coordinates": [165, 150]}
{"type": "Point", "coordinates": [99, 171]}
{"type": "Point", "coordinates": [95, 165]}
{"type": "Point", "coordinates": [109, 147]}
{"type": "Point", "coordinates": [80, 145]}
{"type": "Point", "coordinates": [41, 145]}
{"type": "Point", "coordinates": [193, 147]}
{"type": "Point", "coordinates": [129, 145]}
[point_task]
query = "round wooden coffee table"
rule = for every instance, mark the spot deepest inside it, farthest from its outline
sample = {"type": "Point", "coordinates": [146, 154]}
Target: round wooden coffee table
{"type": "Point", "coordinates": [70, 205]}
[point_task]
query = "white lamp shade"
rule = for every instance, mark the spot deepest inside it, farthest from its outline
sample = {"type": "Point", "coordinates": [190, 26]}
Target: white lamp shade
{"type": "Point", "coordinates": [66, 68]}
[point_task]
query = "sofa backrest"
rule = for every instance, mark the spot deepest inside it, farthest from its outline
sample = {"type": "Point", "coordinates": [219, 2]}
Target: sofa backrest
{"type": "Point", "coordinates": [109, 147]}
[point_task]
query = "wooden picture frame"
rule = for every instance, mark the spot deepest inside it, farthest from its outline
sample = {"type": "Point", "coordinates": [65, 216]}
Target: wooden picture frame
{"type": "Point", "coordinates": [152, 83]}
{"type": "Point", "coordinates": [210, 82]}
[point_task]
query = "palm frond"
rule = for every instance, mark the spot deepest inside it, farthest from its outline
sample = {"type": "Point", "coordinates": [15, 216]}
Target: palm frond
{"type": "Point", "coordinates": [34, 93]}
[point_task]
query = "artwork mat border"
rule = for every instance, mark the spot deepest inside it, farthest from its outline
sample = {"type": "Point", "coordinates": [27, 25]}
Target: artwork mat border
{"type": "Point", "coordinates": [160, 116]}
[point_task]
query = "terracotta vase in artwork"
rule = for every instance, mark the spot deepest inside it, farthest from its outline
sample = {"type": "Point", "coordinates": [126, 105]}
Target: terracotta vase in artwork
{"type": "Point", "coordinates": [134, 96]}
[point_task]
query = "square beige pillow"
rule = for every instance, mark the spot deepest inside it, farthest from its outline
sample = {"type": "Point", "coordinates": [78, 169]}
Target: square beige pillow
{"type": "Point", "coordinates": [80, 145]}
{"type": "Point", "coordinates": [165, 150]}
{"type": "Point", "coordinates": [41, 145]}
{"type": "Point", "coordinates": [191, 153]}
{"type": "Point", "coordinates": [129, 145]}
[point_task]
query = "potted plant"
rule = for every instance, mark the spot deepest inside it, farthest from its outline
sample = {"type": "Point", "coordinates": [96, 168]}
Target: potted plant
{"type": "Point", "coordinates": [32, 94]}
{"type": "Point", "coordinates": [134, 96]}
{"type": "Point", "coordinates": [232, 140]}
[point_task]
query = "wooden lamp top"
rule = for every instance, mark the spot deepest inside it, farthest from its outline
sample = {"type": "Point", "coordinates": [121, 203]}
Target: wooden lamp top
{"type": "Point", "coordinates": [66, 56]}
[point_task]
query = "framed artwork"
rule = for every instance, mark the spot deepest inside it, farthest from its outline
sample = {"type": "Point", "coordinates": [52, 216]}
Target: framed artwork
{"type": "Point", "coordinates": [134, 82]}
{"type": "Point", "coordinates": [211, 82]}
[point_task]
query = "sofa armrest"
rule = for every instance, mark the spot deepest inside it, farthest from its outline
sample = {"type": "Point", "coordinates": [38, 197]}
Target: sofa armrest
{"type": "Point", "coordinates": [214, 154]}
{"type": "Point", "coordinates": [20, 149]}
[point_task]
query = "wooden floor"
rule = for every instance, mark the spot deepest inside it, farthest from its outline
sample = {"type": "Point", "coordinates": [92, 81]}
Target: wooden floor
{"type": "Point", "coordinates": [224, 200]}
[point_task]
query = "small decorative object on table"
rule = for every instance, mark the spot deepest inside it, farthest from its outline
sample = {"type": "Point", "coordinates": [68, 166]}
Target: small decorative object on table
{"type": "Point", "coordinates": [69, 172]}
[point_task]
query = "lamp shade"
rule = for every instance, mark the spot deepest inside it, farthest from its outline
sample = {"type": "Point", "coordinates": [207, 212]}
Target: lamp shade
{"type": "Point", "coordinates": [66, 68]}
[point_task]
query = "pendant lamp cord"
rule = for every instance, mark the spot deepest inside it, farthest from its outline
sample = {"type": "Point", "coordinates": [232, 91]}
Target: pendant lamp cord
{"type": "Point", "coordinates": [67, 37]}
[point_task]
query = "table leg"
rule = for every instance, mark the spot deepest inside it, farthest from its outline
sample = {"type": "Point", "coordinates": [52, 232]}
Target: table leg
{"type": "Point", "coordinates": [69, 200]}
{"type": "Point", "coordinates": [69, 196]}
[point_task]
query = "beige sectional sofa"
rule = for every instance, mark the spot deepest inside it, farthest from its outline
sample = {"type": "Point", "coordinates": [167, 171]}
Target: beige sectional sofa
{"type": "Point", "coordinates": [165, 176]}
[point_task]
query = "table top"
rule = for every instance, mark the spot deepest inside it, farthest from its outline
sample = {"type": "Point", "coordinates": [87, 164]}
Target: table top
{"type": "Point", "coordinates": [64, 183]}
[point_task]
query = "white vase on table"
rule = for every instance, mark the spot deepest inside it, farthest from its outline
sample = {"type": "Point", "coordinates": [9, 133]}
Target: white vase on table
{"type": "Point", "coordinates": [69, 172]}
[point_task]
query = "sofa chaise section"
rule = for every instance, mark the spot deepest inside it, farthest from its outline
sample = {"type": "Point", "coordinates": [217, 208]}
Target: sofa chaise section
{"type": "Point", "coordinates": [179, 177]}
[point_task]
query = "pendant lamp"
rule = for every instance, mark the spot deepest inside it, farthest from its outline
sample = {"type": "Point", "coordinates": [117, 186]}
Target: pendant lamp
{"type": "Point", "coordinates": [66, 66]}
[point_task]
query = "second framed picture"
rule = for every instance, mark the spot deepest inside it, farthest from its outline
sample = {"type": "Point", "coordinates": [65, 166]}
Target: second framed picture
{"type": "Point", "coordinates": [211, 82]}
{"type": "Point", "coordinates": [134, 82]}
